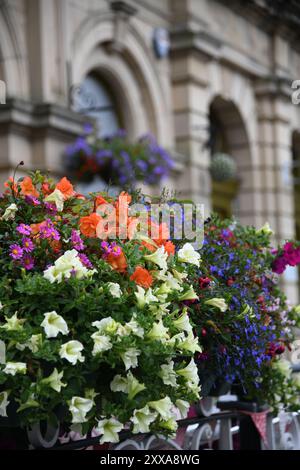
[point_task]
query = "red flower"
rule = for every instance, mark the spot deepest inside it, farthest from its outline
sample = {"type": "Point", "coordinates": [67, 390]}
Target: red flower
{"type": "Point", "coordinates": [204, 282]}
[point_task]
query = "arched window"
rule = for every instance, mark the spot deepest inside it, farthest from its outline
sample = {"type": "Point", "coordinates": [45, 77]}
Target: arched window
{"type": "Point", "coordinates": [93, 98]}
{"type": "Point", "coordinates": [224, 194]}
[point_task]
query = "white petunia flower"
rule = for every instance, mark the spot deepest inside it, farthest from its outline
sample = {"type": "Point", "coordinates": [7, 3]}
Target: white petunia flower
{"type": "Point", "coordinates": [164, 407]}
{"type": "Point", "coordinates": [129, 358]}
{"type": "Point", "coordinates": [187, 254]}
{"type": "Point", "coordinates": [101, 343]}
{"type": "Point", "coordinates": [168, 375]}
{"type": "Point", "coordinates": [79, 408]}
{"type": "Point", "coordinates": [106, 325]}
{"type": "Point", "coordinates": [183, 322]}
{"type": "Point", "coordinates": [145, 297]}
{"type": "Point", "coordinates": [183, 407]}
{"type": "Point", "coordinates": [13, 368]}
{"type": "Point", "coordinates": [10, 212]}
{"type": "Point", "coordinates": [160, 310]}
{"type": "Point", "coordinates": [13, 323]}
{"type": "Point", "coordinates": [283, 366]}
{"type": "Point", "coordinates": [114, 289]}
{"type": "Point", "coordinates": [159, 257]}
{"type": "Point", "coordinates": [35, 342]}
{"type": "Point", "coordinates": [265, 229]}
{"type": "Point", "coordinates": [142, 419]}
{"type": "Point", "coordinates": [71, 351]}
{"type": "Point", "coordinates": [190, 343]}
{"type": "Point", "coordinates": [3, 403]}
{"type": "Point", "coordinates": [110, 429]}
{"type": "Point", "coordinates": [190, 294]}
{"type": "Point", "coordinates": [119, 384]}
{"type": "Point", "coordinates": [129, 385]}
{"type": "Point", "coordinates": [54, 380]}
{"type": "Point", "coordinates": [69, 264]}
{"type": "Point", "coordinates": [133, 386]}
{"type": "Point", "coordinates": [54, 324]}
{"type": "Point", "coordinates": [190, 373]}
{"type": "Point", "coordinates": [170, 282]}
{"type": "Point", "coordinates": [134, 328]}
{"type": "Point", "coordinates": [158, 331]}
{"type": "Point", "coordinates": [179, 276]}
{"type": "Point", "coordinates": [57, 198]}
{"type": "Point", "coordinates": [218, 303]}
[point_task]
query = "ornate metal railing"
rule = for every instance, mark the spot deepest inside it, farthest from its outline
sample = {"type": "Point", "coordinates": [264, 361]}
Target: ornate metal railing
{"type": "Point", "coordinates": [223, 425]}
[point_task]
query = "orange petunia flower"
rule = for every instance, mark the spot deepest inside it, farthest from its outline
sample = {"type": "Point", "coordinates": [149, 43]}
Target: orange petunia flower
{"type": "Point", "coordinates": [88, 225]}
{"type": "Point", "coordinates": [35, 228]}
{"type": "Point", "coordinates": [118, 263]}
{"type": "Point", "coordinates": [149, 246]}
{"type": "Point", "coordinates": [46, 189]}
{"type": "Point", "coordinates": [27, 187]}
{"type": "Point", "coordinates": [11, 185]}
{"type": "Point", "coordinates": [99, 201]}
{"type": "Point", "coordinates": [66, 188]}
{"type": "Point", "coordinates": [169, 247]}
{"type": "Point", "coordinates": [142, 277]}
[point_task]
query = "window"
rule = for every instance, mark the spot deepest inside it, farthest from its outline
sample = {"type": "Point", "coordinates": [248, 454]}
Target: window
{"type": "Point", "coordinates": [93, 98]}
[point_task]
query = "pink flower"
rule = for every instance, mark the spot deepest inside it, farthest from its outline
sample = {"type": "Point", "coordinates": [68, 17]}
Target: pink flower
{"type": "Point", "coordinates": [76, 241]}
{"type": "Point", "coordinates": [24, 229]}
{"type": "Point", "coordinates": [50, 207]}
{"type": "Point", "coordinates": [279, 265]}
{"type": "Point", "coordinates": [85, 261]}
{"type": "Point", "coordinates": [47, 230]}
{"type": "Point", "coordinates": [32, 200]}
{"type": "Point", "coordinates": [28, 262]}
{"type": "Point", "coordinates": [16, 252]}
{"type": "Point", "coordinates": [27, 245]}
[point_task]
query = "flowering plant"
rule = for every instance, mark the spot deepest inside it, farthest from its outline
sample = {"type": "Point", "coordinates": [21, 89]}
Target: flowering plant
{"type": "Point", "coordinates": [94, 331]}
{"type": "Point", "coordinates": [287, 255]}
{"type": "Point", "coordinates": [117, 160]}
{"type": "Point", "coordinates": [242, 317]}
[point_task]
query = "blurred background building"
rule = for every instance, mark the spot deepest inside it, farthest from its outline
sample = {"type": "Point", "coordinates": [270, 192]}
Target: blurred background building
{"type": "Point", "coordinates": [204, 76]}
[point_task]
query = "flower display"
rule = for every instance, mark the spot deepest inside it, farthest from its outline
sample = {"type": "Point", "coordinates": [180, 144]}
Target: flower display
{"type": "Point", "coordinates": [117, 160]}
{"type": "Point", "coordinates": [241, 317]}
{"type": "Point", "coordinates": [95, 331]}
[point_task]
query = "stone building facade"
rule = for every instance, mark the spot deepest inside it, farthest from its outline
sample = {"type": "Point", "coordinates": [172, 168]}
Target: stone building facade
{"type": "Point", "coordinates": [233, 60]}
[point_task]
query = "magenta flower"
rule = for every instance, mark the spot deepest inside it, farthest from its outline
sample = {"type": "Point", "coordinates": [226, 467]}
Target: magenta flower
{"type": "Point", "coordinates": [47, 230]}
{"type": "Point", "coordinates": [27, 245]}
{"type": "Point", "coordinates": [32, 200]}
{"type": "Point", "coordinates": [112, 249]}
{"type": "Point", "coordinates": [28, 262]}
{"type": "Point", "coordinates": [16, 252]}
{"type": "Point", "coordinates": [50, 207]}
{"type": "Point", "coordinates": [24, 229]}
{"type": "Point", "coordinates": [106, 248]}
{"type": "Point", "coordinates": [76, 241]}
{"type": "Point", "coordinates": [85, 261]}
{"type": "Point", "coordinates": [115, 249]}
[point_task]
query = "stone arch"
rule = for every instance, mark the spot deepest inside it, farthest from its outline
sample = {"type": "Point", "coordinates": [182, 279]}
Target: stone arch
{"type": "Point", "coordinates": [130, 72]}
{"type": "Point", "coordinates": [238, 146]}
{"type": "Point", "coordinates": [11, 68]}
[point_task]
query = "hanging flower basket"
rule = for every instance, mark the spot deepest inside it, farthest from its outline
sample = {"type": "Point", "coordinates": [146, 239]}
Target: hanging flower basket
{"type": "Point", "coordinates": [95, 330]}
{"type": "Point", "coordinates": [223, 167]}
{"type": "Point", "coordinates": [117, 160]}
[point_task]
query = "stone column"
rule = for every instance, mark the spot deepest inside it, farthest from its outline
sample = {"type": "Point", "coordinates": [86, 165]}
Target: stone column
{"type": "Point", "coordinates": [275, 188]}
{"type": "Point", "coordinates": [191, 120]}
